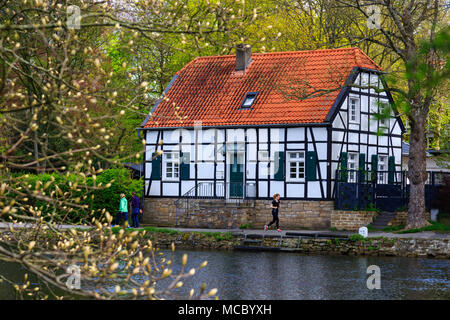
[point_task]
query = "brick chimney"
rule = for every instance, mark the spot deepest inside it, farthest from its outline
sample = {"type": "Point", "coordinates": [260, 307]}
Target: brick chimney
{"type": "Point", "coordinates": [243, 56]}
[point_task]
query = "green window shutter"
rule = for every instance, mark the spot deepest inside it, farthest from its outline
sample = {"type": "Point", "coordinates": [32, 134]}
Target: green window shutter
{"type": "Point", "coordinates": [185, 165]}
{"type": "Point", "coordinates": [311, 164]}
{"type": "Point", "coordinates": [374, 166]}
{"type": "Point", "coordinates": [362, 167]}
{"type": "Point", "coordinates": [156, 167]}
{"type": "Point", "coordinates": [344, 160]}
{"type": "Point", "coordinates": [279, 166]}
{"type": "Point", "coordinates": [391, 168]}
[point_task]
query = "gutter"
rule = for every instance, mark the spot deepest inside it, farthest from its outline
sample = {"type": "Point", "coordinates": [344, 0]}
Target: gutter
{"type": "Point", "coordinates": [274, 125]}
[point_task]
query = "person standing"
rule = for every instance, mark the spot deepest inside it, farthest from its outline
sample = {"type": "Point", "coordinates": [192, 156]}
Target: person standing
{"type": "Point", "coordinates": [123, 209]}
{"type": "Point", "coordinates": [135, 210]}
{"type": "Point", "coordinates": [275, 205]}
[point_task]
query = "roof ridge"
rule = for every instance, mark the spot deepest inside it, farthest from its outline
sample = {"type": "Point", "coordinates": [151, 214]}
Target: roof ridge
{"type": "Point", "coordinates": [208, 89]}
{"type": "Point", "coordinates": [358, 50]}
{"type": "Point", "coordinates": [276, 53]}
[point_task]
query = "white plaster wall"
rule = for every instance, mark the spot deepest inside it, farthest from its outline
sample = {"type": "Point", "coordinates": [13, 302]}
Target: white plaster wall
{"type": "Point", "coordinates": [295, 190]}
{"type": "Point", "coordinates": [170, 189]}
{"type": "Point", "coordinates": [155, 188]}
{"type": "Point", "coordinates": [295, 134]}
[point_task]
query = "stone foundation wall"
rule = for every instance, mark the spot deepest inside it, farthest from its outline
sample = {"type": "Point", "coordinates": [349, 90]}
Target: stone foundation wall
{"type": "Point", "coordinates": [216, 213]}
{"type": "Point", "coordinates": [399, 247]}
{"type": "Point", "coordinates": [351, 220]}
{"type": "Point", "coordinates": [294, 214]}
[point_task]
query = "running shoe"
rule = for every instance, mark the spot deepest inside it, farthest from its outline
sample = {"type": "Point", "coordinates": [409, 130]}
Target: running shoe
{"type": "Point", "coordinates": [279, 230]}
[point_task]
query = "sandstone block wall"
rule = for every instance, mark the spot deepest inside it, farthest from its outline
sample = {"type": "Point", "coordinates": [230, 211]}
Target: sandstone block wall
{"type": "Point", "coordinates": [400, 219]}
{"type": "Point", "coordinates": [351, 220]}
{"type": "Point", "coordinates": [216, 213]}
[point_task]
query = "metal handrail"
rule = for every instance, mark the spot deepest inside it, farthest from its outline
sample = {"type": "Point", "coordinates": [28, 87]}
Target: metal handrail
{"type": "Point", "coordinates": [213, 190]}
{"type": "Point", "coordinates": [360, 188]}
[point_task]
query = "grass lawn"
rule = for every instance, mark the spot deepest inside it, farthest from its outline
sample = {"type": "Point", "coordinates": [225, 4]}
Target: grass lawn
{"type": "Point", "coordinates": [444, 218]}
{"type": "Point", "coordinates": [217, 235]}
{"type": "Point", "coordinates": [435, 226]}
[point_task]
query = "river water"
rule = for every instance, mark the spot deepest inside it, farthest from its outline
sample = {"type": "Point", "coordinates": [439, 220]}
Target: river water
{"type": "Point", "coordinates": [285, 276]}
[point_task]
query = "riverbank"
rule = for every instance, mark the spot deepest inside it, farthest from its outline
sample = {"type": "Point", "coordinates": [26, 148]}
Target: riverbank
{"type": "Point", "coordinates": [426, 244]}
{"type": "Point", "coordinates": [423, 244]}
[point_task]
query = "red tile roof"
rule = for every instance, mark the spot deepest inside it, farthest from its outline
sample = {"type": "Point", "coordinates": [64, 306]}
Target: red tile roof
{"type": "Point", "coordinates": [293, 87]}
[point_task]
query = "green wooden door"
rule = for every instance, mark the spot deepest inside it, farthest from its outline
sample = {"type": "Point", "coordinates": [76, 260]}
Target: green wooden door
{"type": "Point", "coordinates": [236, 177]}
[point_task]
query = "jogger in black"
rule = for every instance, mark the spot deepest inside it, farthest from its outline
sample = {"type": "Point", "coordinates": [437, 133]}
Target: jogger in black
{"type": "Point", "coordinates": [274, 206]}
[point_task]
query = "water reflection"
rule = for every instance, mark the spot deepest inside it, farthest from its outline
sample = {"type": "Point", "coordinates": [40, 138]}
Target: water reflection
{"type": "Point", "coordinates": [272, 275]}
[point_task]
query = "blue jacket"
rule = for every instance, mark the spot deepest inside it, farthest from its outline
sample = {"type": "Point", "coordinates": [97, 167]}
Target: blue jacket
{"type": "Point", "coordinates": [135, 202]}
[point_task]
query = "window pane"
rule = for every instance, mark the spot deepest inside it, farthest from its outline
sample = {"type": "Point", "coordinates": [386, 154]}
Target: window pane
{"type": "Point", "coordinates": [353, 108]}
{"type": "Point", "coordinates": [249, 100]}
{"type": "Point", "coordinates": [296, 164]}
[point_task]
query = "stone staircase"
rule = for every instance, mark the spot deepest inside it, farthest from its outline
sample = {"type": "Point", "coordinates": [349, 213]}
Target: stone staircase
{"type": "Point", "coordinates": [288, 241]}
{"type": "Point", "coordinates": [381, 221]}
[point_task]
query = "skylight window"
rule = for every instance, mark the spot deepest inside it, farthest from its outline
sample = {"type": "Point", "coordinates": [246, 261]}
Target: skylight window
{"type": "Point", "coordinates": [249, 99]}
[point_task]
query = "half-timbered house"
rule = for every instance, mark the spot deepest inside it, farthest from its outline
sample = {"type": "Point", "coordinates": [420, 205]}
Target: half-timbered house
{"type": "Point", "coordinates": [246, 126]}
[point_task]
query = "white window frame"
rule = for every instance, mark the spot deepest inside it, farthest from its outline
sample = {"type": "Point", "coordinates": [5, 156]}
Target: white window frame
{"type": "Point", "coordinates": [352, 162]}
{"type": "Point", "coordinates": [298, 166]}
{"type": "Point", "coordinates": [382, 176]}
{"type": "Point", "coordinates": [356, 109]}
{"type": "Point", "coordinates": [171, 159]}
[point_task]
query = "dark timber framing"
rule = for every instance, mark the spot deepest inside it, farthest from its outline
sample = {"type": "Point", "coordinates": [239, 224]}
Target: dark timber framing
{"type": "Point", "coordinates": [336, 133]}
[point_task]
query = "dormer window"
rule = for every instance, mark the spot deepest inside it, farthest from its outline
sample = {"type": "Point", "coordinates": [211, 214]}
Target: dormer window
{"type": "Point", "coordinates": [249, 99]}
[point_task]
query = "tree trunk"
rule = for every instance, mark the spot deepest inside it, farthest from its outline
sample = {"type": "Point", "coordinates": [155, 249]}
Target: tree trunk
{"type": "Point", "coordinates": [417, 171]}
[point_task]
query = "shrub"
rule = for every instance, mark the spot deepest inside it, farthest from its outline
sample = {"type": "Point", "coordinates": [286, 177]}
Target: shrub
{"type": "Point", "coordinates": [394, 228]}
{"type": "Point", "coordinates": [356, 237]}
{"type": "Point", "coordinates": [121, 182]}
{"type": "Point", "coordinates": [80, 190]}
